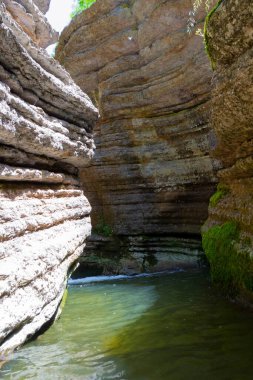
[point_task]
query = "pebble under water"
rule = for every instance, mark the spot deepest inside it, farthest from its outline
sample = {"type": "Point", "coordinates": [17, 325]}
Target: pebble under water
{"type": "Point", "coordinates": [167, 327]}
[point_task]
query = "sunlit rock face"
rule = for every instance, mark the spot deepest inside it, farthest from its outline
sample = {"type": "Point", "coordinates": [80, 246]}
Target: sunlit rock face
{"type": "Point", "coordinates": [45, 136]}
{"type": "Point", "coordinates": [30, 17]}
{"type": "Point", "coordinates": [151, 173]}
{"type": "Point", "coordinates": [43, 5]}
{"type": "Point", "coordinates": [230, 45]}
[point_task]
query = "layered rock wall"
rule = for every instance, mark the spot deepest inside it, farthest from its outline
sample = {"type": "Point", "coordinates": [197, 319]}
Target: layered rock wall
{"type": "Point", "coordinates": [45, 136]}
{"type": "Point", "coordinates": [152, 173]}
{"type": "Point", "coordinates": [228, 232]}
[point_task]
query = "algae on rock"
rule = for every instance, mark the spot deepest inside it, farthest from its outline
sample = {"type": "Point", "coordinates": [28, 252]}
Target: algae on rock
{"type": "Point", "coordinates": [228, 231]}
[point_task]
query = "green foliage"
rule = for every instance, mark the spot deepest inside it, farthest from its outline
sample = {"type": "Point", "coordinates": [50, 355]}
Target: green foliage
{"type": "Point", "coordinates": [81, 5]}
{"type": "Point", "coordinates": [102, 228]}
{"type": "Point", "coordinates": [197, 6]}
{"type": "Point", "coordinates": [198, 3]}
{"type": "Point", "coordinates": [222, 190]}
{"type": "Point", "coordinates": [231, 268]}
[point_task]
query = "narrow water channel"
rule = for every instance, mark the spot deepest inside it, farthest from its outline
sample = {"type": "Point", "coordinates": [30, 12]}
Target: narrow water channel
{"type": "Point", "coordinates": [169, 327]}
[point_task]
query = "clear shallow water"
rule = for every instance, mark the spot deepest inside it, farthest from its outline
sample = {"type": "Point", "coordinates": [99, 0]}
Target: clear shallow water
{"type": "Point", "coordinates": [171, 327]}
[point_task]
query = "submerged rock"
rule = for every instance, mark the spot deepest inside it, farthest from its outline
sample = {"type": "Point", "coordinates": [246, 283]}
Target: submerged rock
{"type": "Point", "coordinates": [45, 136]}
{"type": "Point", "coordinates": [228, 232]}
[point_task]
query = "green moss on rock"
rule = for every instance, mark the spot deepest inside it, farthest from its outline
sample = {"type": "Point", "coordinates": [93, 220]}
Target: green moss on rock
{"type": "Point", "coordinates": [222, 190]}
{"type": "Point", "coordinates": [102, 228]}
{"type": "Point", "coordinates": [63, 300]}
{"type": "Point", "coordinates": [231, 267]}
{"type": "Point", "coordinates": [206, 40]}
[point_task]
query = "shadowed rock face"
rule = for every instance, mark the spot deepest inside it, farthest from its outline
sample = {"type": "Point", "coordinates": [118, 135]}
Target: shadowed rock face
{"type": "Point", "coordinates": [45, 136]}
{"type": "Point", "coordinates": [230, 45]}
{"type": "Point", "coordinates": [151, 173]}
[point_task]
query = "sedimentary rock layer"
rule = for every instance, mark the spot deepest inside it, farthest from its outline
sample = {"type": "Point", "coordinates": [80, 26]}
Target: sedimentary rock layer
{"type": "Point", "coordinates": [137, 254]}
{"type": "Point", "coordinates": [32, 20]}
{"type": "Point", "coordinates": [151, 173]}
{"type": "Point", "coordinates": [228, 232]}
{"type": "Point", "coordinates": [45, 136]}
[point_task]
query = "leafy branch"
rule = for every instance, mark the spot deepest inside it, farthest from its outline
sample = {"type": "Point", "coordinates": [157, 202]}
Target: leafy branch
{"type": "Point", "coordinates": [80, 6]}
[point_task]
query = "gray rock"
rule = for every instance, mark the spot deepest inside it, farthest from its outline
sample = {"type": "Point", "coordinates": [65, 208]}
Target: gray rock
{"type": "Point", "coordinates": [43, 5]}
{"type": "Point", "coordinates": [46, 124]}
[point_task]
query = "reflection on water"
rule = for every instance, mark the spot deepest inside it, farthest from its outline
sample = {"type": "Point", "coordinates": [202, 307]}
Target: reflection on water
{"type": "Point", "coordinates": [171, 327]}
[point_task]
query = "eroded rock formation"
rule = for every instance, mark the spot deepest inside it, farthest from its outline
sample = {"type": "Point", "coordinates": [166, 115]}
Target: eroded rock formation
{"type": "Point", "coordinates": [28, 14]}
{"type": "Point", "coordinates": [43, 5]}
{"type": "Point", "coordinates": [228, 232]}
{"type": "Point", "coordinates": [151, 173]}
{"type": "Point", "coordinates": [45, 136]}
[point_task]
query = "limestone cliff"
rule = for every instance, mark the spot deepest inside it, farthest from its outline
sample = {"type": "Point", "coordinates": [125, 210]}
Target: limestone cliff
{"type": "Point", "coordinates": [45, 136]}
{"type": "Point", "coordinates": [228, 232]}
{"type": "Point", "coordinates": [151, 173]}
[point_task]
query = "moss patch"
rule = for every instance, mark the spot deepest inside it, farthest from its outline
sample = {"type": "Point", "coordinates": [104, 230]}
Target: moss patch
{"type": "Point", "coordinates": [231, 268]}
{"type": "Point", "coordinates": [63, 301]}
{"type": "Point", "coordinates": [102, 228]}
{"type": "Point", "coordinates": [222, 190]}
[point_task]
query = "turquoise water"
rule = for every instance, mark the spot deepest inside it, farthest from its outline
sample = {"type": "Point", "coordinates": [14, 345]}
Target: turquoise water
{"type": "Point", "coordinates": [170, 327]}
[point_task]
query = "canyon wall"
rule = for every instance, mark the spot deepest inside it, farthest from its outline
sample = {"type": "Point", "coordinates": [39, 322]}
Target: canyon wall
{"type": "Point", "coordinates": [228, 232]}
{"type": "Point", "coordinates": [152, 174]}
{"type": "Point", "coordinates": [45, 136]}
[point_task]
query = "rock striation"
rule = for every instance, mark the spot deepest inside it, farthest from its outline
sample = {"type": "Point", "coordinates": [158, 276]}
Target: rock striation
{"type": "Point", "coordinates": [137, 254]}
{"type": "Point", "coordinates": [228, 232]}
{"type": "Point", "coordinates": [152, 173]}
{"type": "Point", "coordinates": [45, 136]}
{"type": "Point", "coordinates": [30, 16]}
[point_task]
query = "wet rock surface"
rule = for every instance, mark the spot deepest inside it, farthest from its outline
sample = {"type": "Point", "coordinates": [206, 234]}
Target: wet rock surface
{"type": "Point", "coordinates": [138, 254]}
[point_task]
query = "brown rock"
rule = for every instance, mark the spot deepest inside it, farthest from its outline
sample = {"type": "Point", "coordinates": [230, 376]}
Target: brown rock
{"type": "Point", "coordinates": [230, 45]}
{"type": "Point", "coordinates": [32, 20]}
{"type": "Point", "coordinates": [151, 173]}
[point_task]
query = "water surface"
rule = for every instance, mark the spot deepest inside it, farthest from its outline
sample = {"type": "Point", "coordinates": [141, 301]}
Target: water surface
{"type": "Point", "coordinates": [170, 327]}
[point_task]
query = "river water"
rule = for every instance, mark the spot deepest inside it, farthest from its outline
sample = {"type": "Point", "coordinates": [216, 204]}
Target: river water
{"type": "Point", "coordinates": [166, 327]}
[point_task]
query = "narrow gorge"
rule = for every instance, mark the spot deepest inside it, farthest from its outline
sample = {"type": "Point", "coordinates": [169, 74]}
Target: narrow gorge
{"type": "Point", "coordinates": [152, 176]}
{"type": "Point", "coordinates": [130, 152]}
{"type": "Point", "coordinates": [158, 158]}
